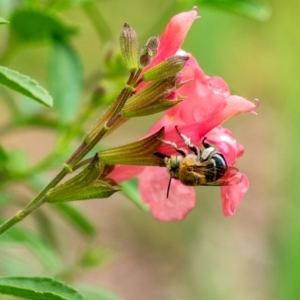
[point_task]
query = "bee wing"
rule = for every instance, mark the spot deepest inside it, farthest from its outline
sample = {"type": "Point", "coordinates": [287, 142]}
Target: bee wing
{"type": "Point", "coordinates": [231, 176]}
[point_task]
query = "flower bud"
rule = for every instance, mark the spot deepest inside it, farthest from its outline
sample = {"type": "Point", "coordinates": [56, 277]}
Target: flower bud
{"type": "Point", "coordinates": [129, 47]}
{"type": "Point", "coordinates": [154, 91]}
{"type": "Point", "coordinates": [149, 51]}
{"type": "Point", "coordinates": [138, 153]}
{"type": "Point", "coordinates": [167, 68]}
{"type": "Point", "coordinates": [88, 184]}
{"type": "Point", "coordinates": [154, 108]}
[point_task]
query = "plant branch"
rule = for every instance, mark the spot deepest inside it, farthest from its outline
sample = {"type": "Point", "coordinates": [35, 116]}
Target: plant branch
{"type": "Point", "coordinates": [19, 216]}
{"type": "Point", "coordinates": [108, 121]}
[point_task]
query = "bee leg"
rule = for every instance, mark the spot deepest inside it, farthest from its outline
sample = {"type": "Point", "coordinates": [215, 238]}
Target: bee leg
{"type": "Point", "coordinates": [188, 143]}
{"type": "Point", "coordinates": [174, 146]}
{"type": "Point", "coordinates": [205, 144]}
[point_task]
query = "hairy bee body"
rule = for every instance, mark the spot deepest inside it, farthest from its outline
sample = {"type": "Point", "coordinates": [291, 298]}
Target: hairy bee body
{"type": "Point", "coordinates": [201, 167]}
{"type": "Point", "coordinates": [192, 171]}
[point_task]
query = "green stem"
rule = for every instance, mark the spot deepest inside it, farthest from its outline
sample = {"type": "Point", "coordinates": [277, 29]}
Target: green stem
{"type": "Point", "coordinates": [115, 108]}
{"type": "Point", "coordinates": [19, 217]}
{"type": "Point", "coordinates": [40, 197]}
{"type": "Point", "coordinates": [111, 118]}
{"type": "Point", "coordinates": [83, 163]}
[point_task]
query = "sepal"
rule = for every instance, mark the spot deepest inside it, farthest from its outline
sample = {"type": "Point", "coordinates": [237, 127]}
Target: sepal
{"type": "Point", "coordinates": [149, 51]}
{"type": "Point", "coordinates": [169, 67]}
{"type": "Point", "coordinates": [153, 92]}
{"type": "Point", "coordinates": [88, 184]}
{"type": "Point", "coordinates": [129, 47]}
{"type": "Point", "coordinates": [138, 153]}
{"type": "Point", "coordinates": [150, 109]}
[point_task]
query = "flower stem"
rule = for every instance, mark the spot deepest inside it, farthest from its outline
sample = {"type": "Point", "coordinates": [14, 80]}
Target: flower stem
{"type": "Point", "coordinates": [108, 121]}
{"type": "Point", "coordinates": [19, 216]}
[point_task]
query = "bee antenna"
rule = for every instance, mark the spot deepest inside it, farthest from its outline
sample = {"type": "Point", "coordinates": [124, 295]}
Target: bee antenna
{"type": "Point", "coordinates": [204, 143]}
{"type": "Point", "coordinates": [169, 185]}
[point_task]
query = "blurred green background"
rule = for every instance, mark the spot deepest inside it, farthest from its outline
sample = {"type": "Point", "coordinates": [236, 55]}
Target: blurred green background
{"type": "Point", "coordinates": [254, 254]}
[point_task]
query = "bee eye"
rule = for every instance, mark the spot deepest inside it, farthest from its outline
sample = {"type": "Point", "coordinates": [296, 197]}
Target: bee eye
{"type": "Point", "coordinates": [219, 160]}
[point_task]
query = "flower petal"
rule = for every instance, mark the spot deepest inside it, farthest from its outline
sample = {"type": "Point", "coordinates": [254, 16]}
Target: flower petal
{"type": "Point", "coordinates": [174, 35]}
{"type": "Point", "coordinates": [227, 145]}
{"type": "Point", "coordinates": [153, 184]}
{"type": "Point", "coordinates": [204, 95]}
{"type": "Point", "coordinates": [232, 195]}
{"type": "Point", "coordinates": [122, 173]}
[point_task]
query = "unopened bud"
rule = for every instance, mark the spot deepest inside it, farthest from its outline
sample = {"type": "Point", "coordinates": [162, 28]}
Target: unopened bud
{"type": "Point", "coordinates": [129, 47]}
{"type": "Point", "coordinates": [88, 184]}
{"type": "Point", "coordinates": [167, 68]}
{"type": "Point", "coordinates": [139, 153]}
{"type": "Point", "coordinates": [153, 108]}
{"type": "Point", "coordinates": [154, 91]}
{"type": "Point", "coordinates": [149, 51]}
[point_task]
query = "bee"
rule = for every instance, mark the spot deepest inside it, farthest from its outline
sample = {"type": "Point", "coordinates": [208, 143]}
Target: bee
{"type": "Point", "coordinates": [201, 167]}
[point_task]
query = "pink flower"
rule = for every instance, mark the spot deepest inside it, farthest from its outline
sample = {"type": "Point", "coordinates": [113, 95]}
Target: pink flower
{"type": "Point", "coordinates": [207, 104]}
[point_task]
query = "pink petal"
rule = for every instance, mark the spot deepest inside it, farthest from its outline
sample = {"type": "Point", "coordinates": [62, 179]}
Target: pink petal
{"type": "Point", "coordinates": [218, 86]}
{"type": "Point", "coordinates": [174, 35]}
{"type": "Point", "coordinates": [226, 144]}
{"type": "Point", "coordinates": [122, 173]}
{"type": "Point", "coordinates": [207, 102]}
{"type": "Point", "coordinates": [204, 95]}
{"type": "Point", "coordinates": [196, 132]}
{"type": "Point", "coordinates": [236, 105]}
{"type": "Point", "coordinates": [153, 184]}
{"type": "Point", "coordinates": [232, 196]}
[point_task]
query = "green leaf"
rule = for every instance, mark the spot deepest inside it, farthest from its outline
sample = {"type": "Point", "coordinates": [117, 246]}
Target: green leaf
{"type": "Point", "coordinates": [28, 25]}
{"type": "Point", "coordinates": [37, 288]}
{"type": "Point", "coordinates": [11, 265]}
{"type": "Point", "coordinates": [34, 243]}
{"type": "Point", "coordinates": [18, 161]}
{"type": "Point", "coordinates": [24, 85]}
{"type": "Point", "coordinates": [77, 218]}
{"type": "Point", "coordinates": [95, 256]}
{"type": "Point", "coordinates": [65, 75]}
{"type": "Point", "coordinates": [93, 293]}
{"type": "Point", "coordinates": [131, 190]}
{"type": "Point", "coordinates": [256, 9]}
{"type": "Point", "coordinates": [3, 21]}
